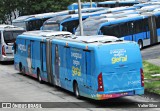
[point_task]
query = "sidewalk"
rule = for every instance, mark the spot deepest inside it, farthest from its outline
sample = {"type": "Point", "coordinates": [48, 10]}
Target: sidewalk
{"type": "Point", "coordinates": [154, 61]}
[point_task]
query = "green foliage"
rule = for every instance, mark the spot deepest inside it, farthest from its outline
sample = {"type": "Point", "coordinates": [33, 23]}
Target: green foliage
{"type": "Point", "coordinates": [152, 83]}
{"type": "Point", "coordinates": [29, 7]}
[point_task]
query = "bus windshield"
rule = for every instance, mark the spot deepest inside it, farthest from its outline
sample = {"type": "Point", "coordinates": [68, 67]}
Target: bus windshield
{"type": "Point", "coordinates": [51, 26]}
{"type": "Point", "coordinates": [10, 36]}
{"type": "Point", "coordinates": [89, 28]}
{"type": "Point", "coordinates": [20, 24]}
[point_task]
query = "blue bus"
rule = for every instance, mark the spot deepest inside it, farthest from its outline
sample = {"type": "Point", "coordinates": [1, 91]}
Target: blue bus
{"type": "Point", "coordinates": [74, 6]}
{"type": "Point", "coordinates": [150, 8]}
{"type": "Point", "coordinates": [140, 5]}
{"type": "Point", "coordinates": [34, 22]}
{"type": "Point", "coordinates": [144, 4]}
{"type": "Point", "coordinates": [97, 67]}
{"type": "Point", "coordinates": [143, 29]}
{"type": "Point", "coordinates": [116, 14]}
{"type": "Point", "coordinates": [112, 4]}
{"type": "Point", "coordinates": [71, 22]}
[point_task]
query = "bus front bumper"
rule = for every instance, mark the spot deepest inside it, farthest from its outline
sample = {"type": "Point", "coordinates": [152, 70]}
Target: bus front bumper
{"type": "Point", "coordinates": [7, 58]}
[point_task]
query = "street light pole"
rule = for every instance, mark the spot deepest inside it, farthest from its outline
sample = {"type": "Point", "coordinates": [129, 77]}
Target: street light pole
{"type": "Point", "coordinates": [91, 3]}
{"type": "Point", "coordinates": [80, 17]}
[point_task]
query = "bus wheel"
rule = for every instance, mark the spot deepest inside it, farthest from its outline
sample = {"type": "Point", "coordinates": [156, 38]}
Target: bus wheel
{"type": "Point", "coordinates": [39, 76]}
{"type": "Point", "coordinates": [140, 43]}
{"type": "Point", "coordinates": [76, 90]}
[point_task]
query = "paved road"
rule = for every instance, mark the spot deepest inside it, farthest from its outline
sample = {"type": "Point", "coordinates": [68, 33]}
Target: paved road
{"type": "Point", "coordinates": [15, 87]}
{"type": "Point", "coordinates": [151, 52]}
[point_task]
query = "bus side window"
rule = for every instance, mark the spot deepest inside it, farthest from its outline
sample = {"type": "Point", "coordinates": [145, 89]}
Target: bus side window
{"type": "Point", "coordinates": [158, 21]}
{"type": "Point", "coordinates": [64, 28]}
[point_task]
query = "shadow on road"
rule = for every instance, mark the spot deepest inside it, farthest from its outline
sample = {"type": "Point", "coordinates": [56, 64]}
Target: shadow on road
{"type": "Point", "coordinates": [146, 47]}
{"type": "Point", "coordinates": [7, 62]}
{"type": "Point", "coordinates": [89, 103]}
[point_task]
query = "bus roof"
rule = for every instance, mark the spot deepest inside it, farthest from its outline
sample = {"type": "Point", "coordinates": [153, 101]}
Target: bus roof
{"type": "Point", "coordinates": [22, 18]}
{"type": "Point", "coordinates": [59, 19]}
{"type": "Point", "coordinates": [107, 2]}
{"type": "Point", "coordinates": [91, 41]}
{"type": "Point", "coordinates": [95, 25]}
{"type": "Point", "coordinates": [131, 17]}
{"type": "Point", "coordinates": [69, 40]}
{"type": "Point", "coordinates": [54, 14]}
{"type": "Point", "coordinates": [46, 33]}
{"type": "Point", "coordinates": [10, 27]}
{"type": "Point", "coordinates": [95, 38]}
{"type": "Point", "coordinates": [151, 7]}
{"type": "Point", "coordinates": [41, 16]}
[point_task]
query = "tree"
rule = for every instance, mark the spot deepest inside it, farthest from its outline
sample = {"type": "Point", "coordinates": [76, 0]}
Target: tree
{"type": "Point", "coordinates": [10, 8]}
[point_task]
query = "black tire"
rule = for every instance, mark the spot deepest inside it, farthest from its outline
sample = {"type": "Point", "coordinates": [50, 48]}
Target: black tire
{"type": "Point", "coordinates": [140, 43]}
{"type": "Point", "coordinates": [76, 91]}
{"type": "Point", "coordinates": [39, 76]}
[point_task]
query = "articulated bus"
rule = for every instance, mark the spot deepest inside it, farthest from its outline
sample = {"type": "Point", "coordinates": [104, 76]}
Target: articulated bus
{"type": "Point", "coordinates": [115, 14]}
{"type": "Point", "coordinates": [34, 22]}
{"type": "Point", "coordinates": [8, 34]}
{"type": "Point", "coordinates": [98, 67]}
{"type": "Point", "coordinates": [65, 23]}
{"type": "Point", "coordinates": [71, 22]}
{"type": "Point", "coordinates": [143, 29]}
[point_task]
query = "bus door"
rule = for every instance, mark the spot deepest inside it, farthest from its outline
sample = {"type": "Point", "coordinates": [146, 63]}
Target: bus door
{"type": "Point", "coordinates": [43, 59]}
{"type": "Point", "coordinates": [56, 64]}
{"type": "Point", "coordinates": [87, 68]}
{"type": "Point", "coordinates": [49, 61]}
{"type": "Point", "coordinates": [28, 55]}
{"type": "Point", "coordinates": [152, 30]}
{"type": "Point", "coordinates": [33, 51]}
{"type": "Point", "coordinates": [68, 74]}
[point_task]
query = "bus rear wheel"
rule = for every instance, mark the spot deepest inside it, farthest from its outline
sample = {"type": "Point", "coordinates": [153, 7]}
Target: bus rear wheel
{"type": "Point", "coordinates": [39, 76]}
{"type": "Point", "coordinates": [76, 91]}
{"type": "Point", "coordinates": [140, 43]}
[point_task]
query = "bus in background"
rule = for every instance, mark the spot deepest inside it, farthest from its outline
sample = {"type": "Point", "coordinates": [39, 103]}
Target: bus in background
{"type": "Point", "coordinates": [143, 29]}
{"type": "Point", "coordinates": [97, 67]}
{"type": "Point", "coordinates": [34, 22]}
{"type": "Point", "coordinates": [8, 34]}
{"type": "Point", "coordinates": [116, 14]}
{"type": "Point", "coordinates": [112, 4]}
{"type": "Point", "coordinates": [140, 5]}
{"type": "Point", "coordinates": [71, 22]}
{"type": "Point", "coordinates": [74, 6]}
{"type": "Point", "coordinates": [149, 3]}
{"type": "Point", "coordinates": [150, 8]}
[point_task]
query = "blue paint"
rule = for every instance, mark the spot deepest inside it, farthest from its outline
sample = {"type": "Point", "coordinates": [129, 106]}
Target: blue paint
{"type": "Point", "coordinates": [83, 62]}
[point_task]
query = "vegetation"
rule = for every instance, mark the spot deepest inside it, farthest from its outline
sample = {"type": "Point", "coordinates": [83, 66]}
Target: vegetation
{"type": "Point", "coordinates": [152, 83]}
{"type": "Point", "coordinates": [10, 8]}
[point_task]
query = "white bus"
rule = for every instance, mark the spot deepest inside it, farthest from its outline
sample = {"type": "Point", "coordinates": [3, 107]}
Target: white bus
{"type": "Point", "coordinates": [8, 34]}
